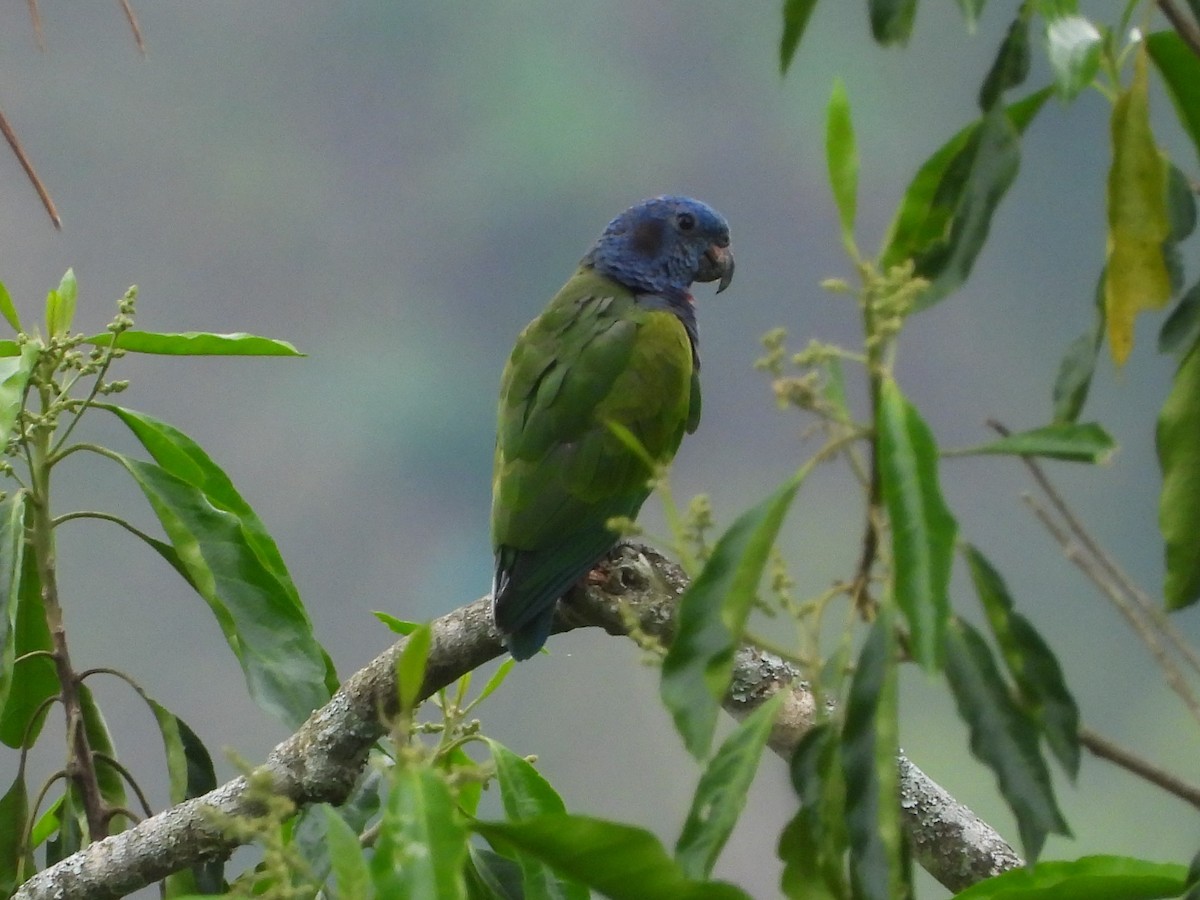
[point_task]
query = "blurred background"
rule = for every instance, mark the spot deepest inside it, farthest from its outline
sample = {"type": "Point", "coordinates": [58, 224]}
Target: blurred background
{"type": "Point", "coordinates": [398, 187]}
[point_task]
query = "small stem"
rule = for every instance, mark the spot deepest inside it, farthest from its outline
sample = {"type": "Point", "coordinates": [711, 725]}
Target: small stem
{"type": "Point", "coordinates": [112, 763]}
{"type": "Point", "coordinates": [19, 152]}
{"type": "Point", "coordinates": [81, 767]}
{"type": "Point", "coordinates": [1105, 749]}
{"type": "Point", "coordinates": [55, 456]}
{"type": "Point", "coordinates": [103, 517]}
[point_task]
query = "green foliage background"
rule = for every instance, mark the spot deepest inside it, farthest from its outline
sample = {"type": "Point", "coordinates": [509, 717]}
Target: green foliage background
{"type": "Point", "coordinates": [398, 187]}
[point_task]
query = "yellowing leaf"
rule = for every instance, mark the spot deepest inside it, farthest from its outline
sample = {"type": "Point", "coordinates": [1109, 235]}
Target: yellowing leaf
{"type": "Point", "coordinates": [1137, 277]}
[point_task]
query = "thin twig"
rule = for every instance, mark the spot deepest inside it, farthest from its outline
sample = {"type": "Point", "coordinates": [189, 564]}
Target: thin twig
{"type": "Point", "coordinates": [19, 152]}
{"type": "Point", "coordinates": [1184, 27]}
{"type": "Point", "coordinates": [36, 17]}
{"type": "Point", "coordinates": [1096, 574]}
{"type": "Point", "coordinates": [133, 25]}
{"type": "Point", "coordinates": [1106, 749]}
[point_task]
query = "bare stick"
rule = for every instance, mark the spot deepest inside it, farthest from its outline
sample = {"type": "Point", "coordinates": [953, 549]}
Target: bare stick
{"type": "Point", "coordinates": [19, 153]}
{"type": "Point", "coordinates": [1105, 749]}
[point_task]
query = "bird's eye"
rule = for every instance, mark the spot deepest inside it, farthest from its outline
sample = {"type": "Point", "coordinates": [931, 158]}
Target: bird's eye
{"type": "Point", "coordinates": [686, 221]}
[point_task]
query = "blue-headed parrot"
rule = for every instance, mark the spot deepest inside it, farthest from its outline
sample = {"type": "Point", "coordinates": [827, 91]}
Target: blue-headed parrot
{"type": "Point", "coordinates": [617, 344]}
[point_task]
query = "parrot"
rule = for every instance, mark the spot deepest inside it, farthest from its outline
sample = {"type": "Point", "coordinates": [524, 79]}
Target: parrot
{"type": "Point", "coordinates": [615, 350]}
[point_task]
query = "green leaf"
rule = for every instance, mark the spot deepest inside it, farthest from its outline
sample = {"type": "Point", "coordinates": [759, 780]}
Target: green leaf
{"type": "Point", "coordinates": [110, 780]}
{"type": "Point", "coordinates": [1181, 330]}
{"type": "Point", "coordinates": [1011, 65]}
{"type": "Point", "coordinates": [195, 343]}
{"type": "Point", "coordinates": [1075, 371]}
{"type": "Point", "coordinates": [870, 747]}
{"type": "Point", "coordinates": [1075, 443]}
{"type": "Point", "coordinates": [310, 833]}
{"type": "Point", "coordinates": [711, 616]}
{"type": "Point", "coordinates": [526, 795]}
{"type": "Point", "coordinates": [1180, 70]}
{"type": "Point", "coordinates": [410, 666]}
{"type": "Point", "coordinates": [892, 20]}
{"type": "Point", "coordinates": [943, 218]}
{"type": "Point", "coordinates": [350, 872]}
{"type": "Point", "coordinates": [795, 20]}
{"type": "Point", "coordinates": [469, 791]}
{"type": "Point", "coordinates": [399, 626]}
{"type": "Point", "coordinates": [14, 376]}
{"type": "Point", "coordinates": [923, 530]}
{"type": "Point", "coordinates": [1179, 502]}
{"type": "Point", "coordinates": [190, 774]}
{"type": "Point", "coordinates": [841, 156]}
{"type": "Point", "coordinates": [60, 305]}
{"type": "Point", "coordinates": [1003, 737]}
{"type": "Point", "coordinates": [11, 348]}
{"type": "Point", "coordinates": [619, 861]}
{"type": "Point", "coordinates": [721, 794]}
{"type": "Point", "coordinates": [813, 844]}
{"type": "Point", "coordinates": [34, 677]}
{"type": "Point", "coordinates": [495, 681]}
{"type": "Point", "coordinates": [285, 667]}
{"type": "Point", "coordinates": [12, 555]}
{"type": "Point", "coordinates": [1030, 662]}
{"type": "Point", "coordinates": [9, 310]}
{"type": "Point", "coordinates": [971, 10]}
{"type": "Point", "coordinates": [491, 876]}
{"type": "Point", "coordinates": [1181, 204]}
{"type": "Point", "coordinates": [1137, 277]}
{"type": "Point", "coordinates": [1087, 878]}
{"type": "Point", "coordinates": [16, 862]}
{"type": "Point", "coordinates": [422, 845]}
{"type": "Point", "coordinates": [1073, 47]}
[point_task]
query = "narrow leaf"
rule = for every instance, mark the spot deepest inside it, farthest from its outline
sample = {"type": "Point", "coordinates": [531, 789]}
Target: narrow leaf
{"type": "Point", "coordinates": [14, 376]}
{"type": "Point", "coordinates": [923, 530]}
{"type": "Point", "coordinates": [1030, 662]}
{"type": "Point", "coordinates": [422, 845]}
{"type": "Point", "coordinates": [892, 20]}
{"type": "Point", "coordinates": [196, 343]}
{"type": "Point", "coordinates": [110, 780]}
{"type": "Point", "coordinates": [491, 876]}
{"type": "Point", "coordinates": [350, 873]}
{"type": "Point", "coordinates": [1180, 70]}
{"type": "Point", "coordinates": [64, 314]}
{"type": "Point", "coordinates": [34, 676]}
{"type": "Point", "coordinates": [795, 21]}
{"type": "Point", "coordinates": [9, 310]}
{"type": "Point", "coordinates": [399, 626]}
{"type": "Point", "coordinates": [1078, 364]}
{"type": "Point", "coordinates": [1002, 737]}
{"type": "Point", "coordinates": [410, 666]}
{"type": "Point", "coordinates": [619, 861]}
{"type": "Point", "coordinates": [1011, 65]}
{"type": "Point", "coordinates": [1181, 330]}
{"type": "Point", "coordinates": [1179, 502]}
{"type": "Point", "coordinates": [870, 747]}
{"type": "Point", "coordinates": [841, 156]}
{"type": "Point", "coordinates": [711, 616]}
{"type": "Point", "coordinates": [1073, 47]}
{"type": "Point", "coordinates": [285, 667]}
{"type": "Point", "coordinates": [971, 10]}
{"type": "Point", "coordinates": [946, 212]}
{"type": "Point", "coordinates": [16, 863]}
{"type": "Point", "coordinates": [721, 794]}
{"type": "Point", "coordinates": [12, 555]}
{"type": "Point", "coordinates": [1075, 443]}
{"type": "Point", "coordinates": [526, 795]}
{"type": "Point", "coordinates": [1137, 277]}
{"type": "Point", "coordinates": [495, 681]}
{"type": "Point", "coordinates": [814, 843]}
{"type": "Point", "coordinates": [1108, 877]}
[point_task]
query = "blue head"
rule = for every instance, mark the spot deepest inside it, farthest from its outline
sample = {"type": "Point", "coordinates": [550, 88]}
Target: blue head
{"type": "Point", "coordinates": [662, 245]}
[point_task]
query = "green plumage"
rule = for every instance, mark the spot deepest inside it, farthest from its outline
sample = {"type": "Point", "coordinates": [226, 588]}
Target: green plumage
{"type": "Point", "coordinates": [595, 355]}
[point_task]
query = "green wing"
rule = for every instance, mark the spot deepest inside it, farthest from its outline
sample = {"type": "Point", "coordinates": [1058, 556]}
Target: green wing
{"type": "Point", "coordinates": [594, 356]}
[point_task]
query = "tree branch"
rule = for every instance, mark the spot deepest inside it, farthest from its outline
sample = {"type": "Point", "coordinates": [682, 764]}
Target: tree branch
{"type": "Point", "coordinates": [322, 760]}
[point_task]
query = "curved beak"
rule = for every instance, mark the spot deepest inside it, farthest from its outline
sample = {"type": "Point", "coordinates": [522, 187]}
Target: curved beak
{"type": "Point", "coordinates": [716, 265]}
